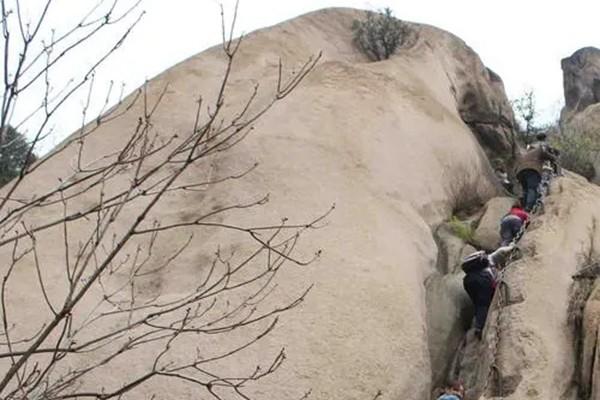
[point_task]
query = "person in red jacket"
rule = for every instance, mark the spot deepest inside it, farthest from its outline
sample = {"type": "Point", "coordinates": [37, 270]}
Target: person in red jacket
{"type": "Point", "coordinates": [511, 223]}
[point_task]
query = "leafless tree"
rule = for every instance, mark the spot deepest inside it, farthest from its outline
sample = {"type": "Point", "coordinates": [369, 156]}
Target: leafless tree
{"type": "Point", "coordinates": [527, 113]}
{"type": "Point", "coordinates": [93, 316]}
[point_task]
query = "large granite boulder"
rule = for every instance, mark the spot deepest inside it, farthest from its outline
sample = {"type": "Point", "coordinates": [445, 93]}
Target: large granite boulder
{"type": "Point", "coordinates": [384, 141]}
{"type": "Point", "coordinates": [581, 81]}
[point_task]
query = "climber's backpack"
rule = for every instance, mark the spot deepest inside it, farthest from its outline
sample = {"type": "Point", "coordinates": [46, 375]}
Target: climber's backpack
{"type": "Point", "coordinates": [475, 262]}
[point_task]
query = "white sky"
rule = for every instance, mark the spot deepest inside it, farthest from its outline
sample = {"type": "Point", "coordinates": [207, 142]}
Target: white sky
{"type": "Point", "coordinates": [522, 40]}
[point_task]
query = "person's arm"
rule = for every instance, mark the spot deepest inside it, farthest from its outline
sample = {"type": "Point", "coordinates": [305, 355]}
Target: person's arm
{"type": "Point", "coordinates": [547, 153]}
{"type": "Point", "coordinates": [498, 255]}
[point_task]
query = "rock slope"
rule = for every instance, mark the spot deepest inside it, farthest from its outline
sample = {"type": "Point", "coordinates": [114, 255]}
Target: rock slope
{"type": "Point", "coordinates": [398, 146]}
{"type": "Point", "coordinates": [581, 80]}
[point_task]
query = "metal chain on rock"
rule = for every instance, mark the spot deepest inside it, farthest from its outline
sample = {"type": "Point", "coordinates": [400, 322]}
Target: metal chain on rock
{"type": "Point", "coordinates": [498, 300]}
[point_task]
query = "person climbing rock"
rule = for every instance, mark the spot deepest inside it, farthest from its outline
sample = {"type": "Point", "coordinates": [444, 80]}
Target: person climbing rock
{"type": "Point", "coordinates": [542, 142]}
{"type": "Point", "coordinates": [529, 170]}
{"type": "Point", "coordinates": [453, 391]}
{"type": "Point", "coordinates": [481, 279]}
{"type": "Point", "coordinates": [511, 223]}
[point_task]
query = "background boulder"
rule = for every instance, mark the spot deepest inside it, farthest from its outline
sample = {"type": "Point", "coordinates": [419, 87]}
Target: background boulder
{"type": "Point", "coordinates": [487, 233]}
{"type": "Point", "coordinates": [581, 81]}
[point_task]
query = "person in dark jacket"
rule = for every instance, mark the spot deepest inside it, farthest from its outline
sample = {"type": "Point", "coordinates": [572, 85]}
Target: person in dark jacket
{"type": "Point", "coordinates": [529, 169]}
{"type": "Point", "coordinates": [480, 282]}
{"type": "Point", "coordinates": [511, 223]}
{"type": "Point", "coordinates": [541, 141]}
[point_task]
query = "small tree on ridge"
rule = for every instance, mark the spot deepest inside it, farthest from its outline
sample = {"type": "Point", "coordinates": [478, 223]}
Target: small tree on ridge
{"type": "Point", "coordinates": [380, 34]}
{"type": "Point", "coordinates": [14, 154]}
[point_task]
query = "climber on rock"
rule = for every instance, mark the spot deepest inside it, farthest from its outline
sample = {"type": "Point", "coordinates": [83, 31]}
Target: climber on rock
{"type": "Point", "coordinates": [542, 142]}
{"type": "Point", "coordinates": [481, 279]}
{"type": "Point", "coordinates": [453, 391]}
{"type": "Point", "coordinates": [512, 223]}
{"type": "Point", "coordinates": [529, 170]}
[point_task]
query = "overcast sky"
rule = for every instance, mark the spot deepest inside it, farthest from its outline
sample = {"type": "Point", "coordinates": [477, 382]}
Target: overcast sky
{"type": "Point", "coordinates": [522, 40]}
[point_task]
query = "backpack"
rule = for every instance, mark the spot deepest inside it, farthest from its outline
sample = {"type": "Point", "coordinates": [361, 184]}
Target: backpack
{"type": "Point", "coordinates": [475, 262]}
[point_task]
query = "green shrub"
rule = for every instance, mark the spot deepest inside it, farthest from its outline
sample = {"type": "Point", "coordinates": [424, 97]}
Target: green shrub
{"type": "Point", "coordinates": [463, 230]}
{"type": "Point", "coordinates": [578, 152]}
{"type": "Point", "coordinates": [13, 153]}
{"type": "Point", "coordinates": [380, 34]}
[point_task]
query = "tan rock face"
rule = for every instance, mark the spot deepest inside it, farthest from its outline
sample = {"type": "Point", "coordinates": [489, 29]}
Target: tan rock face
{"type": "Point", "coordinates": [478, 92]}
{"type": "Point", "coordinates": [589, 342]}
{"type": "Point", "coordinates": [449, 310]}
{"type": "Point", "coordinates": [487, 234]}
{"type": "Point", "coordinates": [537, 351]}
{"type": "Point", "coordinates": [384, 142]}
{"type": "Point", "coordinates": [581, 80]}
{"type": "Point", "coordinates": [581, 113]}
{"type": "Point", "coordinates": [532, 348]}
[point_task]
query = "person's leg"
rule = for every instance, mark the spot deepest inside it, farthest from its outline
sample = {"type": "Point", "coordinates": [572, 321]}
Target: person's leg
{"type": "Point", "coordinates": [522, 177]}
{"type": "Point", "coordinates": [509, 228]}
{"type": "Point", "coordinates": [485, 294]}
{"type": "Point", "coordinates": [523, 182]}
{"type": "Point", "coordinates": [471, 285]}
{"type": "Point", "coordinates": [505, 231]}
{"type": "Point", "coordinates": [515, 226]}
{"type": "Point", "coordinates": [532, 181]}
{"type": "Point", "coordinates": [481, 292]}
{"type": "Point", "coordinates": [535, 179]}
{"type": "Point", "coordinates": [481, 312]}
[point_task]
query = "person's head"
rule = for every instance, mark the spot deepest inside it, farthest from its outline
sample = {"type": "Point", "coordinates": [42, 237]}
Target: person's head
{"type": "Point", "coordinates": [456, 387]}
{"type": "Point", "coordinates": [541, 137]}
{"type": "Point", "coordinates": [517, 204]}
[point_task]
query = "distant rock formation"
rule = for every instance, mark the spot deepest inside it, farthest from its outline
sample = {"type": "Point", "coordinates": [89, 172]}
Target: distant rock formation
{"type": "Point", "coordinates": [581, 80]}
{"type": "Point", "coordinates": [581, 113]}
{"type": "Point", "coordinates": [581, 116]}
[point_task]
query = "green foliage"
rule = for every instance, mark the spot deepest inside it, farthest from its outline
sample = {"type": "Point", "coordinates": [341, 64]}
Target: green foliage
{"type": "Point", "coordinates": [578, 151]}
{"type": "Point", "coordinates": [380, 34]}
{"type": "Point", "coordinates": [463, 230]}
{"type": "Point", "coordinates": [13, 154]}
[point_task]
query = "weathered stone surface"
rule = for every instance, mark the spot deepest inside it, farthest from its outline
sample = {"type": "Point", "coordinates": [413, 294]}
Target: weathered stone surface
{"type": "Point", "coordinates": [380, 140]}
{"type": "Point", "coordinates": [485, 109]}
{"type": "Point", "coordinates": [581, 81]}
{"type": "Point", "coordinates": [449, 309]}
{"type": "Point", "coordinates": [590, 382]}
{"type": "Point", "coordinates": [384, 141]}
{"type": "Point", "coordinates": [481, 99]}
{"type": "Point", "coordinates": [537, 355]}
{"type": "Point", "coordinates": [581, 113]}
